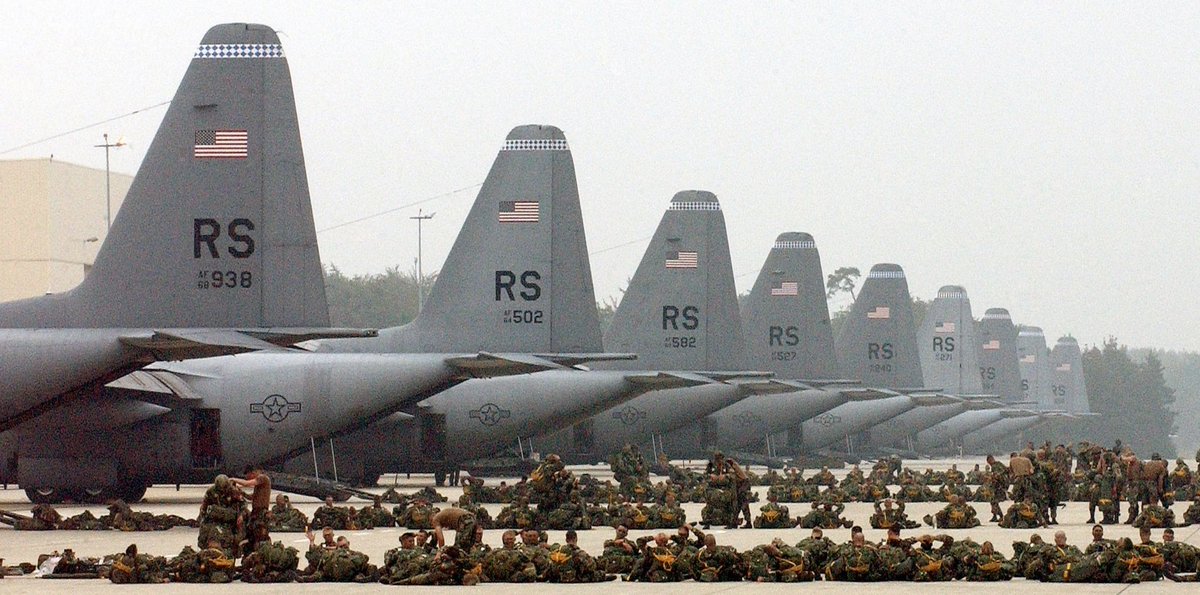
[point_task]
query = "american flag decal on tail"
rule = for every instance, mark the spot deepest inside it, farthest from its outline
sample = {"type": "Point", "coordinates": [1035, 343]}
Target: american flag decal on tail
{"type": "Point", "coordinates": [944, 327]}
{"type": "Point", "coordinates": [992, 345]}
{"type": "Point", "coordinates": [681, 259]}
{"type": "Point", "coordinates": [786, 288]}
{"type": "Point", "coordinates": [880, 313]}
{"type": "Point", "coordinates": [221, 144]}
{"type": "Point", "coordinates": [518, 211]}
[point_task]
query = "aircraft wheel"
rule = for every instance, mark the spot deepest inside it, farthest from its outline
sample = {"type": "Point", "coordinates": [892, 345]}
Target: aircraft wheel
{"type": "Point", "coordinates": [46, 495]}
{"type": "Point", "coordinates": [95, 495]}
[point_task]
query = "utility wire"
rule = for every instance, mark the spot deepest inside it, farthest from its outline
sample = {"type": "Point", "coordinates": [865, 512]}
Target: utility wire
{"type": "Point", "coordinates": [82, 128]}
{"type": "Point", "coordinates": [399, 208]}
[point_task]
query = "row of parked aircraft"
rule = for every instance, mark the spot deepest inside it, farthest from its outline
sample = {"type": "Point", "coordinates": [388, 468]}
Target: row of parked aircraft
{"type": "Point", "coordinates": [200, 342]}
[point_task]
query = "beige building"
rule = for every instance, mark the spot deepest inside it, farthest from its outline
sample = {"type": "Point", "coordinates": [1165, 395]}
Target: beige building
{"type": "Point", "coordinates": [52, 224]}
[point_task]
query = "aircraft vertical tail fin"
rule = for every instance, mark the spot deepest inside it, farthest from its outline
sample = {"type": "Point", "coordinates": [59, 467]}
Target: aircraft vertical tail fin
{"type": "Point", "coordinates": [878, 342]}
{"type": "Point", "coordinates": [217, 229]}
{"type": "Point", "coordinates": [1035, 367]}
{"type": "Point", "coordinates": [999, 369]}
{"type": "Point", "coordinates": [946, 340]}
{"type": "Point", "coordinates": [517, 278]}
{"type": "Point", "coordinates": [786, 315]}
{"type": "Point", "coordinates": [680, 311]}
{"type": "Point", "coordinates": [1067, 384]}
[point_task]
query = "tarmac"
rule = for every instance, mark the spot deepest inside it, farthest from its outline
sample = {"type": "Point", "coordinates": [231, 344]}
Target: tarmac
{"type": "Point", "coordinates": [22, 546]}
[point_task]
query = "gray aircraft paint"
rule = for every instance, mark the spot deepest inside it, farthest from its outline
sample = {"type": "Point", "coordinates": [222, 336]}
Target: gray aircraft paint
{"type": "Point", "coordinates": [999, 367]}
{"type": "Point", "coordinates": [269, 403]}
{"type": "Point", "coordinates": [946, 341]}
{"type": "Point", "coordinates": [198, 242]}
{"type": "Point", "coordinates": [680, 312]}
{"type": "Point", "coordinates": [946, 432]}
{"type": "Point", "coordinates": [788, 332]}
{"type": "Point", "coordinates": [1067, 385]}
{"type": "Point", "coordinates": [1034, 361]}
{"type": "Point", "coordinates": [999, 374]}
{"type": "Point", "coordinates": [877, 343]}
{"type": "Point", "coordinates": [481, 417]}
{"type": "Point", "coordinates": [1005, 430]}
{"type": "Point", "coordinates": [517, 278]}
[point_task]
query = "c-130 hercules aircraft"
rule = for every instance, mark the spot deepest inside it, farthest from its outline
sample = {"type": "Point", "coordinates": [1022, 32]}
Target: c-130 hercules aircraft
{"type": "Point", "coordinates": [219, 209]}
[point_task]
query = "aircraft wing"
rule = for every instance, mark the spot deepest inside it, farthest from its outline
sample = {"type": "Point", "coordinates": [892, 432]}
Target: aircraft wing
{"type": "Point", "coordinates": [181, 344]}
{"type": "Point", "coordinates": [158, 387]}
{"type": "Point", "coordinates": [488, 365]}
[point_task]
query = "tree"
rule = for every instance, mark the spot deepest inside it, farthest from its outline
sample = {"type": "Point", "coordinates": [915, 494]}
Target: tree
{"type": "Point", "coordinates": [844, 280]}
{"type": "Point", "coordinates": [1132, 399]}
{"type": "Point", "coordinates": [371, 301]}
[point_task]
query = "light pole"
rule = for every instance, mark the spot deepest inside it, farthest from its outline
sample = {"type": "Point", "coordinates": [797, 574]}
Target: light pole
{"type": "Point", "coordinates": [108, 180]}
{"type": "Point", "coordinates": [421, 218]}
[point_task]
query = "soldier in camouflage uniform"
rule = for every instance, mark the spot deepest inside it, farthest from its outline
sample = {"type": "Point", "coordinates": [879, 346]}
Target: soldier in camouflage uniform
{"type": "Point", "coordinates": [338, 565]}
{"type": "Point", "coordinates": [209, 565]}
{"type": "Point", "coordinates": [933, 564]}
{"type": "Point", "coordinates": [774, 515]}
{"type": "Point", "coordinates": [717, 563]}
{"type": "Point", "coordinates": [570, 564]}
{"type": "Point", "coordinates": [134, 568]}
{"type": "Point", "coordinates": [658, 561]}
{"type": "Point", "coordinates": [1155, 516]}
{"type": "Point", "coordinates": [1181, 557]}
{"type": "Point", "coordinates": [857, 561]}
{"type": "Point", "coordinates": [419, 515]}
{"type": "Point", "coordinates": [955, 515]}
{"type": "Point", "coordinates": [825, 516]}
{"type": "Point", "coordinates": [374, 516]}
{"type": "Point", "coordinates": [271, 563]}
{"type": "Point", "coordinates": [451, 566]}
{"type": "Point", "coordinates": [1191, 516]}
{"type": "Point", "coordinates": [620, 554]}
{"type": "Point", "coordinates": [890, 513]}
{"type": "Point", "coordinates": [221, 515]}
{"type": "Point", "coordinates": [988, 565]}
{"type": "Point", "coordinates": [508, 564]}
{"type": "Point", "coordinates": [517, 515]}
{"type": "Point", "coordinates": [1023, 515]}
{"type": "Point", "coordinates": [285, 518]}
{"type": "Point", "coordinates": [405, 561]}
{"type": "Point", "coordinates": [669, 514]}
{"type": "Point", "coordinates": [820, 549]}
{"type": "Point", "coordinates": [331, 515]}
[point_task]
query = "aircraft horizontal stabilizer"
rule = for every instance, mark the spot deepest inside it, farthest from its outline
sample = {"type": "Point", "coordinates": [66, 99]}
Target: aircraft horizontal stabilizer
{"type": "Point", "coordinates": [287, 337]}
{"type": "Point", "coordinates": [867, 394]}
{"type": "Point", "coordinates": [761, 386]}
{"type": "Point", "coordinates": [828, 382]}
{"type": "Point", "coordinates": [574, 359]}
{"type": "Point", "coordinates": [665, 380]}
{"type": "Point", "coordinates": [981, 402]}
{"type": "Point", "coordinates": [159, 387]}
{"type": "Point", "coordinates": [180, 344]}
{"type": "Point", "coordinates": [722, 376]}
{"type": "Point", "coordinates": [931, 399]}
{"type": "Point", "coordinates": [488, 365]}
{"type": "Point", "coordinates": [1026, 412]}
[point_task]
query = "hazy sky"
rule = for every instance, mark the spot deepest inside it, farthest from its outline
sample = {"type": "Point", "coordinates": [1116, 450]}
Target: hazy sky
{"type": "Point", "coordinates": [1042, 155]}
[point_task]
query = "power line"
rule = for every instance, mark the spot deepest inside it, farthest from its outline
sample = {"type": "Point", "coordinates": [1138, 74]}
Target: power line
{"type": "Point", "coordinates": [399, 208]}
{"type": "Point", "coordinates": [622, 245]}
{"type": "Point", "coordinates": [82, 128]}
